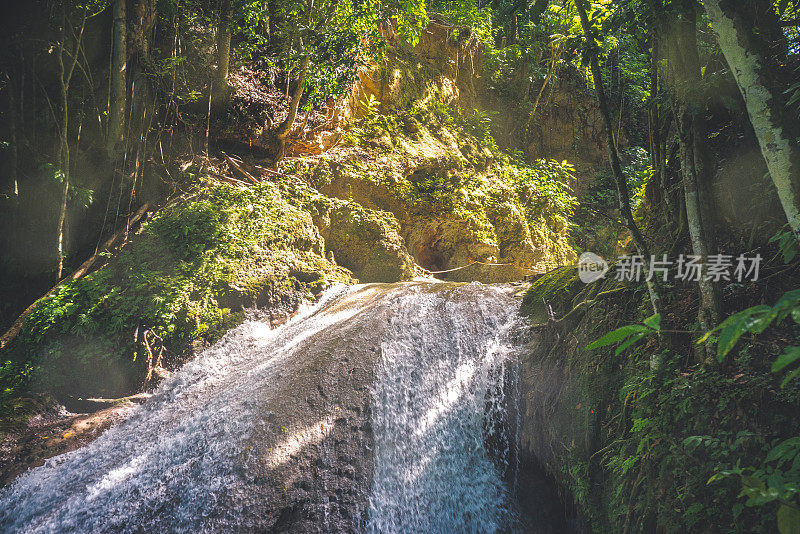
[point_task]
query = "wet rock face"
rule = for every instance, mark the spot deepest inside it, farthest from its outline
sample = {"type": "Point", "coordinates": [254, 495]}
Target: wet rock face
{"type": "Point", "coordinates": [296, 429]}
{"type": "Point", "coordinates": [268, 430]}
{"type": "Point", "coordinates": [311, 452]}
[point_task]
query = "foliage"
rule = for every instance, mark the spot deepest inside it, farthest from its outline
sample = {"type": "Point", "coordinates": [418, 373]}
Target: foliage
{"type": "Point", "coordinates": [338, 37]}
{"type": "Point", "coordinates": [638, 172]}
{"type": "Point", "coordinates": [755, 320]}
{"type": "Point", "coordinates": [682, 429]}
{"type": "Point", "coordinates": [776, 480]}
{"type": "Point", "coordinates": [547, 181]}
{"type": "Point", "coordinates": [370, 106]}
{"type": "Point", "coordinates": [787, 243]}
{"type": "Point", "coordinates": [194, 266]}
{"type": "Point", "coordinates": [626, 336]}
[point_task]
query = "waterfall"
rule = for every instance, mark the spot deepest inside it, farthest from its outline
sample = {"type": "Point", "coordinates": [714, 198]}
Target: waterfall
{"type": "Point", "coordinates": [436, 390]}
{"type": "Point", "coordinates": [371, 411]}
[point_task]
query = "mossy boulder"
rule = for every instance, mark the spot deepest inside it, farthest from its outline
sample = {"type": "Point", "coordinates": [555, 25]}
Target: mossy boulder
{"type": "Point", "coordinates": [176, 286]}
{"type": "Point", "coordinates": [367, 242]}
{"type": "Point", "coordinates": [460, 202]}
{"type": "Point", "coordinates": [551, 293]}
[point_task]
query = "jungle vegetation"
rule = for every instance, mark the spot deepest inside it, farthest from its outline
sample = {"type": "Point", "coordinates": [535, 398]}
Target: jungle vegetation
{"type": "Point", "coordinates": [109, 108]}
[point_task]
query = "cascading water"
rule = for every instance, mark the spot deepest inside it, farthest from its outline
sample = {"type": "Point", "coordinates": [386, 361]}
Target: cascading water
{"type": "Point", "coordinates": [369, 412]}
{"type": "Point", "coordinates": [441, 357]}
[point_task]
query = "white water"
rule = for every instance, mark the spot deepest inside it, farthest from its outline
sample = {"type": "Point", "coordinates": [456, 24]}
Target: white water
{"type": "Point", "coordinates": [182, 461]}
{"type": "Point", "coordinates": [438, 386]}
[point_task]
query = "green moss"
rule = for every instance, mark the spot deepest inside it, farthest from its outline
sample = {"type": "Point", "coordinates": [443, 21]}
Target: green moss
{"type": "Point", "coordinates": [436, 170]}
{"type": "Point", "coordinates": [187, 276]}
{"type": "Point", "coordinates": [560, 284]}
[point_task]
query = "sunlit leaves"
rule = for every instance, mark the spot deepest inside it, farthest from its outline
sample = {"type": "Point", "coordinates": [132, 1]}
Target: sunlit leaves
{"type": "Point", "coordinates": [338, 37]}
{"type": "Point", "coordinates": [549, 182]}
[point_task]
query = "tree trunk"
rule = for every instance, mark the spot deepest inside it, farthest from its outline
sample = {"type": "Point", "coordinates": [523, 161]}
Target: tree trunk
{"type": "Point", "coordinates": [294, 104]}
{"type": "Point", "coordinates": [684, 62]}
{"type": "Point", "coordinates": [656, 126]}
{"type": "Point", "coordinates": [764, 99]}
{"type": "Point", "coordinates": [275, 25]}
{"type": "Point", "coordinates": [64, 162]}
{"type": "Point", "coordinates": [144, 17]}
{"type": "Point", "coordinates": [64, 79]}
{"type": "Point", "coordinates": [220, 90]}
{"type": "Point", "coordinates": [623, 195]}
{"type": "Point", "coordinates": [554, 62]}
{"type": "Point", "coordinates": [116, 112]}
{"type": "Point", "coordinates": [696, 216]}
{"type": "Point", "coordinates": [14, 111]}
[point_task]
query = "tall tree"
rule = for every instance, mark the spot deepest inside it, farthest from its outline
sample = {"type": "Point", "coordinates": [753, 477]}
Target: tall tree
{"type": "Point", "coordinates": [220, 89]}
{"type": "Point", "coordinates": [67, 53]}
{"type": "Point", "coordinates": [743, 42]}
{"type": "Point", "coordinates": [684, 64]}
{"type": "Point", "coordinates": [623, 193]}
{"type": "Point", "coordinates": [119, 61]}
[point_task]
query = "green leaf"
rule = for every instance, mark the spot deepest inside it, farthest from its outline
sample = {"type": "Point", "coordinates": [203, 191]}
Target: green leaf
{"type": "Point", "coordinates": [630, 341]}
{"type": "Point", "coordinates": [738, 324]}
{"type": "Point", "coordinates": [790, 376]}
{"type": "Point", "coordinates": [786, 450]}
{"type": "Point", "coordinates": [617, 335]}
{"type": "Point", "coordinates": [654, 322]}
{"type": "Point", "coordinates": [791, 355]}
{"type": "Point", "coordinates": [788, 520]}
{"type": "Point", "coordinates": [752, 482]}
{"type": "Point", "coordinates": [706, 336]}
{"type": "Point", "coordinates": [789, 299]}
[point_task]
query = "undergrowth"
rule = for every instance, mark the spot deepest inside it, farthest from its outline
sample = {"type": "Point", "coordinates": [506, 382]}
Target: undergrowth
{"type": "Point", "coordinates": [670, 445]}
{"type": "Point", "coordinates": [185, 278]}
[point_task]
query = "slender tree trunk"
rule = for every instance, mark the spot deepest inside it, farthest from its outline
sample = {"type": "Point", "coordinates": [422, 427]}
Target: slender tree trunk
{"type": "Point", "coordinates": [116, 112]}
{"type": "Point", "coordinates": [14, 112]}
{"type": "Point", "coordinates": [653, 111]}
{"type": "Point", "coordinates": [64, 158]}
{"type": "Point", "coordinates": [220, 89]}
{"type": "Point", "coordinates": [294, 104]}
{"type": "Point", "coordinates": [64, 79]}
{"type": "Point", "coordinates": [697, 217]}
{"type": "Point", "coordinates": [623, 195]}
{"type": "Point", "coordinates": [654, 127]}
{"type": "Point", "coordinates": [764, 99]}
{"type": "Point", "coordinates": [685, 65]}
{"type": "Point", "coordinates": [556, 56]}
{"type": "Point", "coordinates": [663, 159]}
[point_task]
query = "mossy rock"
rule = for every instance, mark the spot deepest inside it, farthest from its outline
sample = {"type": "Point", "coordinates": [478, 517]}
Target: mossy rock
{"type": "Point", "coordinates": [367, 242]}
{"type": "Point", "coordinates": [554, 291]}
{"type": "Point", "coordinates": [457, 199]}
{"type": "Point", "coordinates": [179, 284]}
